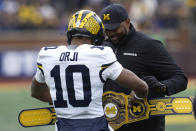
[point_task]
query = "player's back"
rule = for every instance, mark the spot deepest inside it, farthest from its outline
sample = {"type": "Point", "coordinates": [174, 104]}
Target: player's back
{"type": "Point", "coordinates": [74, 76]}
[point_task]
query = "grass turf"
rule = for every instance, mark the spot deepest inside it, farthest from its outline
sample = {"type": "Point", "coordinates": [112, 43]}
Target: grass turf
{"type": "Point", "coordinates": [12, 102]}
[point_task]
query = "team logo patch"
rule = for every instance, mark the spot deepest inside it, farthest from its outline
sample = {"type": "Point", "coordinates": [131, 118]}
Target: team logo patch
{"type": "Point", "coordinates": [111, 110]}
{"type": "Point", "coordinates": [137, 109]}
{"type": "Point", "coordinates": [106, 16]}
{"type": "Point", "coordinates": [161, 106]}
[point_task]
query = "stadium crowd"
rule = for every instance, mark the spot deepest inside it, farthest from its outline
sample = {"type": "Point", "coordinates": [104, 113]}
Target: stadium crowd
{"type": "Point", "coordinates": [42, 14]}
{"type": "Point", "coordinates": [53, 14]}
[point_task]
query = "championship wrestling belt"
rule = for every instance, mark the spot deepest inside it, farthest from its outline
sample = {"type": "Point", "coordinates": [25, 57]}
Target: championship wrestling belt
{"type": "Point", "coordinates": [119, 109]}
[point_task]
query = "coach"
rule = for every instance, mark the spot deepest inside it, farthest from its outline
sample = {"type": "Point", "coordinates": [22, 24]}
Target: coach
{"type": "Point", "coordinates": [144, 56]}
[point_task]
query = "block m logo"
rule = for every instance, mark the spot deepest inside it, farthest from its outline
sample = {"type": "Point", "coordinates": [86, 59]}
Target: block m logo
{"type": "Point", "coordinates": [110, 110]}
{"type": "Point", "coordinates": [106, 16]}
{"type": "Point", "coordinates": [137, 108]}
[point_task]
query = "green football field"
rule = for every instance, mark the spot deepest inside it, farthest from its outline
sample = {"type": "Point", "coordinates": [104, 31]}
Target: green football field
{"type": "Point", "coordinates": [15, 97]}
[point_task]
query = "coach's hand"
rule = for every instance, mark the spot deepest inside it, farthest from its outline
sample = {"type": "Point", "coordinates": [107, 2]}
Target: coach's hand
{"type": "Point", "coordinates": [156, 88]}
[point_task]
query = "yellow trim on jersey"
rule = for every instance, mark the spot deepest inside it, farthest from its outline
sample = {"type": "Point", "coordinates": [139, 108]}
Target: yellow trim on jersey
{"type": "Point", "coordinates": [40, 67]}
{"type": "Point", "coordinates": [104, 67]}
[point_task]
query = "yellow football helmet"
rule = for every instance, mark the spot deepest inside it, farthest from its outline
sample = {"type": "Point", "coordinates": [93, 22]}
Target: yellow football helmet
{"type": "Point", "coordinates": [86, 23]}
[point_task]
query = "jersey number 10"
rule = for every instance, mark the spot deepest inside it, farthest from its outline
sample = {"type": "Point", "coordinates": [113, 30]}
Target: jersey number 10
{"type": "Point", "coordinates": [60, 102]}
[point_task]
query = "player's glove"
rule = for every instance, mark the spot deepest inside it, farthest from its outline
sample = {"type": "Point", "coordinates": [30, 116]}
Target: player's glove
{"type": "Point", "coordinates": [156, 88]}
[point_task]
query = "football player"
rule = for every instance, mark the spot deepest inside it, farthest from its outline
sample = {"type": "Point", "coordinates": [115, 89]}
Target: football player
{"type": "Point", "coordinates": [72, 77]}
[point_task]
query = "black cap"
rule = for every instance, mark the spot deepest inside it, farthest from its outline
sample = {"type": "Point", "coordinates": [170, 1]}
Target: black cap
{"type": "Point", "coordinates": [113, 15]}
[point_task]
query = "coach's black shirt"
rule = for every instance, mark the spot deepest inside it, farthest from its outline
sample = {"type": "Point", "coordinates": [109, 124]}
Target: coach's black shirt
{"type": "Point", "coordinates": [147, 57]}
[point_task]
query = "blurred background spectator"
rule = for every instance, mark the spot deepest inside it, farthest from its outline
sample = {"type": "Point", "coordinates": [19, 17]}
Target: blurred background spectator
{"type": "Point", "coordinates": [42, 14]}
{"type": "Point", "coordinates": [27, 25]}
{"type": "Point", "coordinates": [53, 14]}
